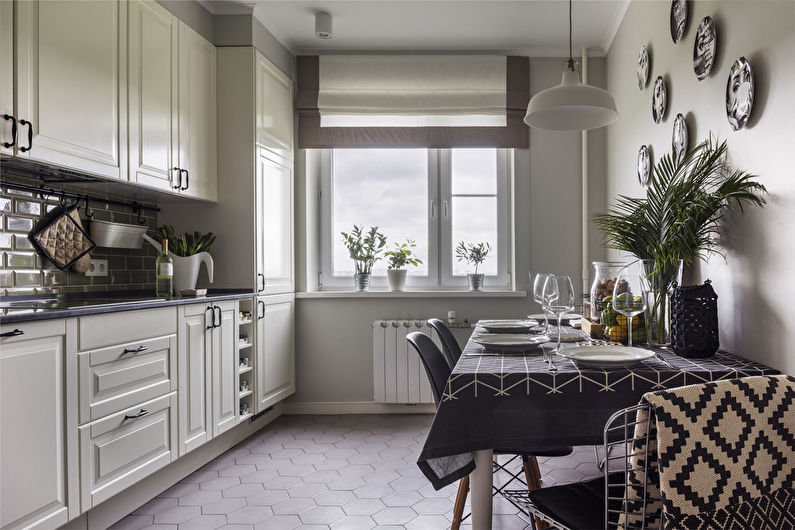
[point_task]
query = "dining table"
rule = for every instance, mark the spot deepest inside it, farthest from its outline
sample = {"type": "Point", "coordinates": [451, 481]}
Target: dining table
{"type": "Point", "coordinates": [506, 401]}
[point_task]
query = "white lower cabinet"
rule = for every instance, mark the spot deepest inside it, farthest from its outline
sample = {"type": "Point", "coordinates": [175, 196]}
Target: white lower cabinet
{"type": "Point", "coordinates": [38, 436]}
{"type": "Point", "coordinates": [275, 362]}
{"type": "Point", "coordinates": [224, 372]}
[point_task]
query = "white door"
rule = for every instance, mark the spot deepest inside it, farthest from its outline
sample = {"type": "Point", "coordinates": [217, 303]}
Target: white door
{"type": "Point", "coordinates": [275, 351]}
{"type": "Point", "coordinates": [275, 226]}
{"type": "Point", "coordinates": [38, 441]}
{"type": "Point", "coordinates": [197, 114]}
{"type": "Point", "coordinates": [275, 112]}
{"type": "Point", "coordinates": [224, 368]}
{"type": "Point", "coordinates": [71, 84]}
{"type": "Point", "coordinates": [7, 116]}
{"type": "Point", "coordinates": [195, 369]}
{"type": "Point", "coordinates": [153, 92]}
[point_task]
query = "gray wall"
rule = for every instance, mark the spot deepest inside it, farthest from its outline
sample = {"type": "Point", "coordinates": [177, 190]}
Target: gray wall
{"type": "Point", "coordinates": [334, 336]}
{"type": "Point", "coordinates": [755, 282]}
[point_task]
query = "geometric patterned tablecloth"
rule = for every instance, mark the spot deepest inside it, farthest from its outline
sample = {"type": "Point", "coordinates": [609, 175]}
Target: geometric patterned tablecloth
{"type": "Point", "coordinates": [514, 403]}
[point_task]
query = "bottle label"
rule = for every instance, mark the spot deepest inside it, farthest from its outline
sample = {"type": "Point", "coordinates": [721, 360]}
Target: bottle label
{"type": "Point", "coordinates": [165, 269]}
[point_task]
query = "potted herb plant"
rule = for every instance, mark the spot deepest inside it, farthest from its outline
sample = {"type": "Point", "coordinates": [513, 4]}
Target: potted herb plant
{"type": "Point", "coordinates": [188, 251]}
{"type": "Point", "coordinates": [364, 249]}
{"type": "Point", "coordinates": [399, 257]}
{"type": "Point", "coordinates": [474, 254]}
{"type": "Point", "coordinates": [678, 220]}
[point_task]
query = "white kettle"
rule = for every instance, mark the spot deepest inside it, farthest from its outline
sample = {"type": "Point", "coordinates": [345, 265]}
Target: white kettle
{"type": "Point", "coordinates": [186, 270]}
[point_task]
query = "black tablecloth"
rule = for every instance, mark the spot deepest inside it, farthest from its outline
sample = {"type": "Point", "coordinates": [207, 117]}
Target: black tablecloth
{"type": "Point", "coordinates": [513, 402]}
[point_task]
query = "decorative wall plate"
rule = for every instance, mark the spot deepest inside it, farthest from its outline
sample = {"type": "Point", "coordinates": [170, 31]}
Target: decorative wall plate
{"type": "Point", "coordinates": [739, 93]}
{"type": "Point", "coordinates": [644, 165]}
{"type": "Point", "coordinates": [659, 99]}
{"type": "Point", "coordinates": [679, 139]}
{"type": "Point", "coordinates": [678, 19]}
{"type": "Point", "coordinates": [643, 67]}
{"type": "Point", "coordinates": [704, 48]}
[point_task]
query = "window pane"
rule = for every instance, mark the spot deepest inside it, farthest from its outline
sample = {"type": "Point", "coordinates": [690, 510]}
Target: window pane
{"type": "Point", "coordinates": [474, 220]}
{"type": "Point", "coordinates": [474, 171]}
{"type": "Point", "coordinates": [387, 188]}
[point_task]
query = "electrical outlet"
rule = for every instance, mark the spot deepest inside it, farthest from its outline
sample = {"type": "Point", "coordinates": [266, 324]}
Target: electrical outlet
{"type": "Point", "coordinates": [98, 267]}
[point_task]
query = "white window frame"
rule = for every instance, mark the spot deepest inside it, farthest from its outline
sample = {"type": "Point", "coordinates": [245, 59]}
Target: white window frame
{"type": "Point", "coordinates": [439, 198]}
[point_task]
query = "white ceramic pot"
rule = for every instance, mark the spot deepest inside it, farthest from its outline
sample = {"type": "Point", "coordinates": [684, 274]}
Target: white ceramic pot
{"type": "Point", "coordinates": [186, 270]}
{"type": "Point", "coordinates": [397, 279]}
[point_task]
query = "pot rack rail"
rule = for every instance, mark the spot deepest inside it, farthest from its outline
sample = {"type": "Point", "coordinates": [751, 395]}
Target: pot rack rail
{"type": "Point", "coordinates": [43, 191]}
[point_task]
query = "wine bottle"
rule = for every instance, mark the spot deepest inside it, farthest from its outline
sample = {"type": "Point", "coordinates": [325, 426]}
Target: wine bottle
{"type": "Point", "coordinates": [164, 273]}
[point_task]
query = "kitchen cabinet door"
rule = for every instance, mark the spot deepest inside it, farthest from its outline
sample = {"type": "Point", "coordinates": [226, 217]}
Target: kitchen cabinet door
{"type": "Point", "coordinates": [224, 346]}
{"type": "Point", "coordinates": [153, 92]}
{"type": "Point", "coordinates": [197, 115]}
{"type": "Point", "coordinates": [195, 373]}
{"type": "Point", "coordinates": [72, 83]}
{"type": "Point", "coordinates": [7, 132]}
{"type": "Point", "coordinates": [274, 104]}
{"type": "Point", "coordinates": [275, 349]}
{"type": "Point", "coordinates": [274, 189]}
{"type": "Point", "coordinates": [38, 438]}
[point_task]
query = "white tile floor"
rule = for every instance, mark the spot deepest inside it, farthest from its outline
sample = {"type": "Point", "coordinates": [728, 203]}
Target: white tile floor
{"type": "Point", "coordinates": [329, 472]}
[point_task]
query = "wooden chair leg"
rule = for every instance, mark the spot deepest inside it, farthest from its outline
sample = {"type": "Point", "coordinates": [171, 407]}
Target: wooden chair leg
{"type": "Point", "coordinates": [533, 477]}
{"type": "Point", "coordinates": [460, 502]}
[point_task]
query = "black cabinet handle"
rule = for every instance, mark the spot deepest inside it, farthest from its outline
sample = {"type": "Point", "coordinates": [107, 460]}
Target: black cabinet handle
{"type": "Point", "coordinates": [143, 412]}
{"type": "Point", "coordinates": [139, 349]}
{"type": "Point", "coordinates": [260, 304]}
{"type": "Point", "coordinates": [30, 135]}
{"type": "Point", "coordinates": [210, 308]}
{"type": "Point", "coordinates": [179, 174]}
{"type": "Point", "coordinates": [261, 277]}
{"type": "Point", "coordinates": [216, 308]}
{"type": "Point", "coordinates": [187, 179]}
{"type": "Point", "coordinates": [15, 333]}
{"type": "Point", "coordinates": [13, 130]}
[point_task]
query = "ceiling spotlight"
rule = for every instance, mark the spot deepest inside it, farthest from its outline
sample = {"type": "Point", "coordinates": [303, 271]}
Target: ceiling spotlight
{"type": "Point", "coordinates": [323, 27]}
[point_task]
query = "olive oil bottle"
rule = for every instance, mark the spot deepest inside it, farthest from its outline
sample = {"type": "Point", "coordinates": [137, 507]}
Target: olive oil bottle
{"type": "Point", "coordinates": [164, 273]}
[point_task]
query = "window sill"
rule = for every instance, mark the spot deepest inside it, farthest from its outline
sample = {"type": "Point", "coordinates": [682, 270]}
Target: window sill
{"type": "Point", "coordinates": [496, 293]}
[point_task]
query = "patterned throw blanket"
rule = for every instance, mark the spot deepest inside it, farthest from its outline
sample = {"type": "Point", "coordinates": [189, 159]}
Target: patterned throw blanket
{"type": "Point", "coordinates": [725, 453]}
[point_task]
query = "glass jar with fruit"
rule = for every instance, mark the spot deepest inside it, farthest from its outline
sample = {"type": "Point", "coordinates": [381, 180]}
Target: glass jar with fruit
{"type": "Point", "coordinates": [605, 274]}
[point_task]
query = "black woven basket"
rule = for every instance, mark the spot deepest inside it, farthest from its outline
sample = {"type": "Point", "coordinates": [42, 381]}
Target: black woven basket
{"type": "Point", "coordinates": [694, 321]}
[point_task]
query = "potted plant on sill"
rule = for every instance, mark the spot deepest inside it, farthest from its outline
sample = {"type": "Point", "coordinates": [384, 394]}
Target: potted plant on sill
{"type": "Point", "coordinates": [364, 249]}
{"type": "Point", "coordinates": [678, 221]}
{"type": "Point", "coordinates": [474, 254]}
{"type": "Point", "coordinates": [398, 258]}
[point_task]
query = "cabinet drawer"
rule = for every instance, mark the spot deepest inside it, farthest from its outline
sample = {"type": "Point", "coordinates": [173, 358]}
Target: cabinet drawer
{"type": "Point", "coordinates": [118, 377]}
{"type": "Point", "coordinates": [118, 451]}
{"type": "Point", "coordinates": [97, 331]}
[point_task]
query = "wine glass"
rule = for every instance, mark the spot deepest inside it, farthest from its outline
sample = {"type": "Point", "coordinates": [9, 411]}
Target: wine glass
{"type": "Point", "coordinates": [559, 298]}
{"type": "Point", "coordinates": [630, 297]}
{"type": "Point", "coordinates": [538, 295]}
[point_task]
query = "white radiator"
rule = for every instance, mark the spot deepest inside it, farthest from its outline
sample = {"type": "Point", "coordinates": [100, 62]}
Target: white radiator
{"type": "Point", "coordinates": [398, 374]}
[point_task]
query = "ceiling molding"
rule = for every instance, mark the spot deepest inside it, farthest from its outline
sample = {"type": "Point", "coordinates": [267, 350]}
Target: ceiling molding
{"type": "Point", "coordinates": [560, 52]}
{"type": "Point", "coordinates": [229, 7]}
{"type": "Point", "coordinates": [618, 18]}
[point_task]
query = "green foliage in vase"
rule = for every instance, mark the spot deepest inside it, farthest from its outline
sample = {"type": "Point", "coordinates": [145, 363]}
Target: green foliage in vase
{"type": "Point", "coordinates": [402, 255]}
{"type": "Point", "coordinates": [472, 253]}
{"type": "Point", "coordinates": [364, 248]}
{"type": "Point", "coordinates": [187, 244]}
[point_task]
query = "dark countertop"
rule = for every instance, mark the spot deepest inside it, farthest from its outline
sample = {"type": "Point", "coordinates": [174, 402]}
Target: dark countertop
{"type": "Point", "coordinates": [46, 306]}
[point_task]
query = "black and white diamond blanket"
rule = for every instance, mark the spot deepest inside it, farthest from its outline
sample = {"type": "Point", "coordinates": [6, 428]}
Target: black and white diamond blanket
{"type": "Point", "coordinates": [726, 453]}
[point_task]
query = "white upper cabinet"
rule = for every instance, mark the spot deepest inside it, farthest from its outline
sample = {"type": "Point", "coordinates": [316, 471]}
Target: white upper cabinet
{"type": "Point", "coordinates": [274, 189]}
{"type": "Point", "coordinates": [197, 115]}
{"type": "Point", "coordinates": [274, 104]}
{"type": "Point", "coordinates": [71, 84]}
{"type": "Point", "coordinates": [7, 118]}
{"type": "Point", "coordinates": [153, 91]}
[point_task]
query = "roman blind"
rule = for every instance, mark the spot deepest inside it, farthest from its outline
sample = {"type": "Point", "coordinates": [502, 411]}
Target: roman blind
{"type": "Point", "coordinates": [412, 101]}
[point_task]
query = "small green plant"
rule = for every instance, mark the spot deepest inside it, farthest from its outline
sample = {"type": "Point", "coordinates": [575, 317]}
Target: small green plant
{"type": "Point", "coordinates": [472, 253]}
{"type": "Point", "coordinates": [402, 255]}
{"type": "Point", "coordinates": [186, 244]}
{"type": "Point", "coordinates": [364, 248]}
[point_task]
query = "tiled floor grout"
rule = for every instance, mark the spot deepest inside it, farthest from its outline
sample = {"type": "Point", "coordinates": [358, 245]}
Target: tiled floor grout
{"type": "Point", "coordinates": [346, 472]}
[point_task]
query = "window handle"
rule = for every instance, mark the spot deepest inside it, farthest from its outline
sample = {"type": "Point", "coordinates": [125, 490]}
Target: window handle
{"type": "Point", "coordinates": [433, 209]}
{"type": "Point", "coordinates": [444, 209]}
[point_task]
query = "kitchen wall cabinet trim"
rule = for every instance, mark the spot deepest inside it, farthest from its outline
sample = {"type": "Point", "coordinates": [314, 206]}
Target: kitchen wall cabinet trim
{"type": "Point", "coordinates": [275, 350]}
{"type": "Point", "coordinates": [39, 483]}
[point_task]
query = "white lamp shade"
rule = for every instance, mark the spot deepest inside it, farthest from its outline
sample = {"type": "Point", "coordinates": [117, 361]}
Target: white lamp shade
{"type": "Point", "coordinates": [571, 106]}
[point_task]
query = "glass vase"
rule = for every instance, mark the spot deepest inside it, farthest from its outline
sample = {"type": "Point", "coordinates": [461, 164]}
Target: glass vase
{"type": "Point", "coordinates": [661, 276]}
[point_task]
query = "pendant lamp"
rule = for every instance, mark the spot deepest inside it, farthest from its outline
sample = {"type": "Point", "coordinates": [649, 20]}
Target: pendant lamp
{"type": "Point", "coordinates": [572, 105]}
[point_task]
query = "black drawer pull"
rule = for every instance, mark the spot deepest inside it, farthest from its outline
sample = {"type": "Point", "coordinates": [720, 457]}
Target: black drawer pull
{"type": "Point", "coordinates": [15, 333]}
{"type": "Point", "coordinates": [143, 412]}
{"type": "Point", "coordinates": [179, 174]}
{"type": "Point", "coordinates": [260, 304]}
{"type": "Point", "coordinates": [139, 349]}
{"type": "Point", "coordinates": [13, 131]}
{"type": "Point", "coordinates": [187, 179]}
{"type": "Point", "coordinates": [30, 135]}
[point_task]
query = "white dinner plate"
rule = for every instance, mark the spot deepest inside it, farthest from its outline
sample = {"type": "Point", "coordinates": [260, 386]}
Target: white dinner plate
{"type": "Point", "coordinates": [508, 326]}
{"type": "Point", "coordinates": [567, 335]}
{"type": "Point", "coordinates": [606, 356]}
{"type": "Point", "coordinates": [510, 342]}
{"type": "Point", "coordinates": [565, 318]}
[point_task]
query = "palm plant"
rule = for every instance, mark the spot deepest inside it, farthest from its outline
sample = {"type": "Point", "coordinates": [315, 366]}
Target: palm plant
{"type": "Point", "coordinates": [364, 248]}
{"type": "Point", "coordinates": [680, 217]}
